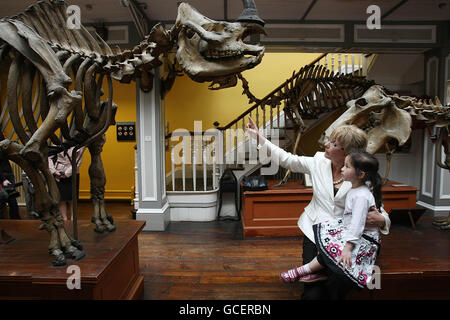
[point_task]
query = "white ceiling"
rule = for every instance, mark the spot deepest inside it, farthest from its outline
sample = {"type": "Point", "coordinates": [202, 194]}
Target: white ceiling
{"type": "Point", "coordinates": [269, 10]}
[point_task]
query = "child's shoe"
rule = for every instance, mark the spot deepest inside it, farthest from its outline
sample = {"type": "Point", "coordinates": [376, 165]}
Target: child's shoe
{"type": "Point", "coordinates": [293, 275]}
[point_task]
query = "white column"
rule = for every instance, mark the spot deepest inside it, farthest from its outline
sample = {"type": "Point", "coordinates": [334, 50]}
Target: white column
{"type": "Point", "coordinates": [152, 205]}
{"type": "Point", "coordinates": [435, 181]}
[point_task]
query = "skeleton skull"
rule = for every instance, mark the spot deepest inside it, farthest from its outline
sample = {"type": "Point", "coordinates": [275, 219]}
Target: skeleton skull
{"type": "Point", "coordinates": [215, 51]}
{"type": "Point", "coordinates": [377, 114]}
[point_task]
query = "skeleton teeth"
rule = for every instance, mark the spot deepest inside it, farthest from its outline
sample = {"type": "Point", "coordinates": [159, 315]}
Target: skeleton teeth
{"type": "Point", "coordinates": [216, 54]}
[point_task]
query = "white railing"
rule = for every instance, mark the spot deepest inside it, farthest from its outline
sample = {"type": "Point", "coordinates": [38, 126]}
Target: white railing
{"type": "Point", "coordinates": [346, 63]}
{"type": "Point", "coordinates": [194, 159]}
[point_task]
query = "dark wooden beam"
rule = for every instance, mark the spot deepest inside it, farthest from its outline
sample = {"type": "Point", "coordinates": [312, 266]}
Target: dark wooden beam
{"type": "Point", "coordinates": [311, 5]}
{"type": "Point", "coordinates": [394, 8]}
{"type": "Point", "coordinates": [225, 10]}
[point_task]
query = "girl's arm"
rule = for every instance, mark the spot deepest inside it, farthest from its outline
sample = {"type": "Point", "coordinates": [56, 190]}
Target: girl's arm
{"type": "Point", "coordinates": [360, 208]}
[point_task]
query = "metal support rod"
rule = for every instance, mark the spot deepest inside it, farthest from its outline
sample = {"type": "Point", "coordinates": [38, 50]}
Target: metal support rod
{"type": "Point", "coordinates": [75, 191]}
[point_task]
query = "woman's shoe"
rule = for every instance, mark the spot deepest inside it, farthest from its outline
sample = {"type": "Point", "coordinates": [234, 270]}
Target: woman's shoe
{"type": "Point", "coordinates": [313, 277]}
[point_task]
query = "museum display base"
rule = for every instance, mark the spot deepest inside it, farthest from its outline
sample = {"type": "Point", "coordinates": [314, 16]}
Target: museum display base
{"type": "Point", "coordinates": [414, 264]}
{"type": "Point", "coordinates": [109, 271]}
{"type": "Point", "coordinates": [275, 212]}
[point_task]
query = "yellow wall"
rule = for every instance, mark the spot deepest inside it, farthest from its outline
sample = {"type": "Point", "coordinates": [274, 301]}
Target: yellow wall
{"type": "Point", "coordinates": [189, 101]}
{"type": "Point", "coordinates": [118, 157]}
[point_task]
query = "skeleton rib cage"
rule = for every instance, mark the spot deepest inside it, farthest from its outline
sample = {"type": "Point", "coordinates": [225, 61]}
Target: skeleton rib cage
{"type": "Point", "coordinates": [52, 79]}
{"type": "Point", "coordinates": [41, 60]}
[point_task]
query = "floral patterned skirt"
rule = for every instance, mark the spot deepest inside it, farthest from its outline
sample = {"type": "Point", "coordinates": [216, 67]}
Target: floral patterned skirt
{"type": "Point", "coordinates": [329, 237]}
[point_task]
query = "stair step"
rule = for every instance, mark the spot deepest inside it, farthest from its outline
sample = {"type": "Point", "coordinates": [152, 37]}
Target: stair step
{"type": "Point", "coordinates": [189, 184]}
{"type": "Point", "coordinates": [284, 127]}
{"type": "Point", "coordinates": [236, 168]}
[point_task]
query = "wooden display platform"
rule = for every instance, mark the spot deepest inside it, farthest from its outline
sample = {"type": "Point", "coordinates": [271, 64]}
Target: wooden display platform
{"type": "Point", "coordinates": [110, 269]}
{"type": "Point", "coordinates": [414, 264]}
{"type": "Point", "coordinates": [275, 212]}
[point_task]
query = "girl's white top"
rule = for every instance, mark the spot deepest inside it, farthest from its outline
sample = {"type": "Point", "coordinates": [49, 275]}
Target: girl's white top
{"type": "Point", "coordinates": [357, 205]}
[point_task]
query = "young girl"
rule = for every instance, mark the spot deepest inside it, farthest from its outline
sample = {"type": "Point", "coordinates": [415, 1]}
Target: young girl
{"type": "Point", "coordinates": [345, 245]}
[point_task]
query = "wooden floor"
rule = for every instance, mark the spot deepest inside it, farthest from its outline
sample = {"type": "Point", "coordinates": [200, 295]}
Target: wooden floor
{"type": "Point", "coordinates": [211, 260]}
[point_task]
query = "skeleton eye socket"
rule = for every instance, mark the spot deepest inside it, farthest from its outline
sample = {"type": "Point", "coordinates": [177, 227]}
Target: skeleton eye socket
{"type": "Point", "coordinates": [246, 35]}
{"type": "Point", "coordinates": [214, 27]}
{"type": "Point", "coordinates": [361, 102]}
{"type": "Point", "coordinates": [190, 33]}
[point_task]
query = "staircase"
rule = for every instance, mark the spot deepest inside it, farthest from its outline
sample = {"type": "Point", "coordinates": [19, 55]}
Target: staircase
{"type": "Point", "coordinates": [199, 159]}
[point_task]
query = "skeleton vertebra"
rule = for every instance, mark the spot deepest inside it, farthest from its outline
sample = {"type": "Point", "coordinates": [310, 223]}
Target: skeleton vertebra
{"type": "Point", "coordinates": [38, 48]}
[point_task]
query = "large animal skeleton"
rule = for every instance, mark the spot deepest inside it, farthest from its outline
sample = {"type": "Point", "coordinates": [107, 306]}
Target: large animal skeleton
{"type": "Point", "coordinates": [387, 120]}
{"type": "Point", "coordinates": [311, 93]}
{"type": "Point", "coordinates": [42, 59]}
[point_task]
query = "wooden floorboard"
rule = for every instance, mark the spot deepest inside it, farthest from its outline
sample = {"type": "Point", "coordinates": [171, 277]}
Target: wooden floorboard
{"type": "Point", "coordinates": [211, 260]}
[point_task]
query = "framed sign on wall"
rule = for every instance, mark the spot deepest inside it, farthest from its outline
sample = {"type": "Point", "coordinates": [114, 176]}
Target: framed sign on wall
{"type": "Point", "coordinates": [126, 131]}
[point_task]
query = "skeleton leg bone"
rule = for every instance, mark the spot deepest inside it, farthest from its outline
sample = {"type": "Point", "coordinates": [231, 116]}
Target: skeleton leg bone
{"type": "Point", "coordinates": [102, 220]}
{"type": "Point", "coordinates": [389, 154]}
{"type": "Point", "coordinates": [301, 129]}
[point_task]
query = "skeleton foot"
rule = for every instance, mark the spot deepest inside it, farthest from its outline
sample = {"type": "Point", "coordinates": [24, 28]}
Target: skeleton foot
{"type": "Point", "coordinates": [104, 224]}
{"type": "Point", "coordinates": [440, 223]}
{"type": "Point", "coordinates": [76, 244]}
{"type": "Point", "coordinates": [60, 258]}
{"type": "Point", "coordinates": [61, 246]}
{"type": "Point", "coordinates": [74, 254]}
{"type": "Point", "coordinates": [445, 227]}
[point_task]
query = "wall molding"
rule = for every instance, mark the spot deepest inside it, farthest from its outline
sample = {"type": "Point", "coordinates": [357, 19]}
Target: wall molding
{"type": "Point", "coordinates": [426, 146]}
{"type": "Point", "coordinates": [146, 195]}
{"type": "Point", "coordinates": [429, 77]}
{"type": "Point", "coordinates": [433, 208]}
{"type": "Point", "coordinates": [109, 194]}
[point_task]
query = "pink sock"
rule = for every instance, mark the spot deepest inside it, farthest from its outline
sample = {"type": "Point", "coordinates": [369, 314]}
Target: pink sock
{"type": "Point", "coordinates": [304, 270]}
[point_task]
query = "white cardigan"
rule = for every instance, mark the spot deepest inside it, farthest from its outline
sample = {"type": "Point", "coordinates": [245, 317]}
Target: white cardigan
{"type": "Point", "coordinates": [324, 205]}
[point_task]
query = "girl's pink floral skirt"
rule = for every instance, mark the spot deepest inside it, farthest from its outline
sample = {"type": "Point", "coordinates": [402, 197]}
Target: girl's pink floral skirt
{"type": "Point", "coordinates": [329, 238]}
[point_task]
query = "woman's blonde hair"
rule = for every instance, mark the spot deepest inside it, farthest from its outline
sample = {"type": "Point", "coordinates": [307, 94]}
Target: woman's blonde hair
{"type": "Point", "coordinates": [350, 137]}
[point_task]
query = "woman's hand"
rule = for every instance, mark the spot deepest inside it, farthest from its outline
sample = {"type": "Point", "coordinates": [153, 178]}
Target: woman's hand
{"type": "Point", "coordinates": [253, 130]}
{"type": "Point", "coordinates": [6, 183]}
{"type": "Point", "coordinates": [375, 218]}
{"type": "Point", "coordinates": [346, 256]}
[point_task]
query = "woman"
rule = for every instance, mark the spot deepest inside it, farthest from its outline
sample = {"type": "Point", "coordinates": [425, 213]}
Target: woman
{"type": "Point", "coordinates": [61, 168]}
{"type": "Point", "coordinates": [328, 201]}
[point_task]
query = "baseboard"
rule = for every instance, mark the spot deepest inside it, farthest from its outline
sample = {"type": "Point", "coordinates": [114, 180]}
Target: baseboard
{"type": "Point", "coordinates": [433, 208]}
{"type": "Point", "coordinates": [109, 195]}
